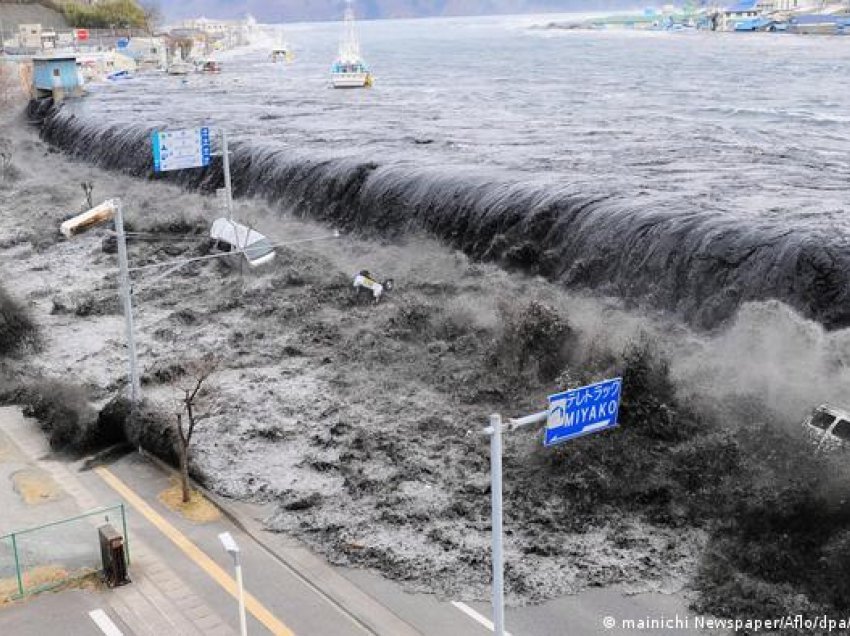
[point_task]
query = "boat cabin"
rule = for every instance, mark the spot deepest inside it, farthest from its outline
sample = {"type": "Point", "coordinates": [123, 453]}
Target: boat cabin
{"type": "Point", "coordinates": [349, 67]}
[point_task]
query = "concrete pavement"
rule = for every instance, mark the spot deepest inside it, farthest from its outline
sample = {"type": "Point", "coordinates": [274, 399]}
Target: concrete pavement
{"type": "Point", "coordinates": [159, 600]}
{"type": "Point", "coordinates": [65, 613]}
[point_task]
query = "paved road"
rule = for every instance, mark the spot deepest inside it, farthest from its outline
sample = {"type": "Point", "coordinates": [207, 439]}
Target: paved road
{"type": "Point", "coordinates": [286, 593]}
{"type": "Point", "coordinates": [65, 614]}
{"type": "Point", "coordinates": [180, 571]}
{"type": "Point", "coordinates": [297, 605]}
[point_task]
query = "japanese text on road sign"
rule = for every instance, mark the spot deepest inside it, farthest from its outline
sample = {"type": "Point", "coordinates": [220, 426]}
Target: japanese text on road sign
{"type": "Point", "coordinates": [581, 411]}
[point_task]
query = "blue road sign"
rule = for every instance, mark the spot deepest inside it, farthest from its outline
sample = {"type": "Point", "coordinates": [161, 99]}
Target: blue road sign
{"type": "Point", "coordinates": [180, 149]}
{"type": "Point", "coordinates": [581, 411]}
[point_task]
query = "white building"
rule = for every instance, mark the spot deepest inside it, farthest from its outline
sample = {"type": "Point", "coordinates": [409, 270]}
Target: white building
{"type": "Point", "coordinates": [769, 6]}
{"type": "Point", "coordinates": [29, 36]}
{"type": "Point", "coordinates": [210, 27]}
{"type": "Point", "coordinates": [228, 32]}
{"type": "Point", "coordinates": [149, 52]}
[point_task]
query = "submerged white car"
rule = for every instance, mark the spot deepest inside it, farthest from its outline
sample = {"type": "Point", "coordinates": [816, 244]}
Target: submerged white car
{"type": "Point", "coordinates": [256, 247]}
{"type": "Point", "coordinates": [828, 427]}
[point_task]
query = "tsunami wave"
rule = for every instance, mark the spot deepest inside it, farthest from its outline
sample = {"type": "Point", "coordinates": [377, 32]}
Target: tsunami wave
{"type": "Point", "coordinates": [699, 265]}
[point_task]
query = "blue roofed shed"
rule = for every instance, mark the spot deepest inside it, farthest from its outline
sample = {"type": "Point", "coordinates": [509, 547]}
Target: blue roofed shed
{"type": "Point", "coordinates": [48, 72]}
{"type": "Point", "coordinates": [743, 11]}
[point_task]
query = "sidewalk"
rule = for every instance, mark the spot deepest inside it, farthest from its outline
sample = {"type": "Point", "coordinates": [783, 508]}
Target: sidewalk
{"type": "Point", "coordinates": [181, 577]}
{"type": "Point", "coordinates": [157, 602]}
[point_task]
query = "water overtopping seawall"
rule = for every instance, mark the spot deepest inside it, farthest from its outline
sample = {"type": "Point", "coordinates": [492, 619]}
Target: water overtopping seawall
{"type": "Point", "coordinates": [699, 265]}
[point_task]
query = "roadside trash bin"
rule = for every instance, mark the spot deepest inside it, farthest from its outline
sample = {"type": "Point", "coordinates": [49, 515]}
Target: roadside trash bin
{"type": "Point", "coordinates": [112, 555]}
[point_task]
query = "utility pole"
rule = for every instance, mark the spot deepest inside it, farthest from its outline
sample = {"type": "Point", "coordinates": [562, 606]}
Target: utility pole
{"type": "Point", "coordinates": [228, 191]}
{"type": "Point", "coordinates": [127, 301]}
{"type": "Point", "coordinates": [496, 504]}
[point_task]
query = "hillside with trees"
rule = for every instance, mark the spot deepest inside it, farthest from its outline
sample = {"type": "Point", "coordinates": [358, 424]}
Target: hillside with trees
{"type": "Point", "coordinates": [124, 13]}
{"type": "Point", "coordinates": [104, 15]}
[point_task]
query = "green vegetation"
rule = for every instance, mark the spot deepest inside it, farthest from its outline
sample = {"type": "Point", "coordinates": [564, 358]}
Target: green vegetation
{"type": "Point", "coordinates": [63, 411]}
{"type": "Point", "coordinates": [17, 328]}
{"type": "Point", "coordinates": [105, 15]}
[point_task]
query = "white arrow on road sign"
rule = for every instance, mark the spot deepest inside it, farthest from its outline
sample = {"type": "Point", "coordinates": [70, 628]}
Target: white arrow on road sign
{"type": "Point", "coordinates": [581, 411]}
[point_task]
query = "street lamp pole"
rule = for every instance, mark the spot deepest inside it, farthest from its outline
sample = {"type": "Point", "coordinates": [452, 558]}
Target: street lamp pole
{"type": "Point", "coordinates": [243, 627]}
{"type": "Point", "coordinates": [127, 301]}
{"type": "Point", "coordinates": [232, 549]}
{"type": "Point", "coordinates": [114, 209]}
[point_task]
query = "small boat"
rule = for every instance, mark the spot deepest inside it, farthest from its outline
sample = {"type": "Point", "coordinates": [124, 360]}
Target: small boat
{"type": "Point", "coordinates": [119, 75]}
{"type": "Point", "coordinates": [349, 70]}
{"type": "Point", "coordinates": [282, 52]}
{"type": "Point", "coordinates": [180, 68]}
{"type": "Point", "coordinates": [209, 66]}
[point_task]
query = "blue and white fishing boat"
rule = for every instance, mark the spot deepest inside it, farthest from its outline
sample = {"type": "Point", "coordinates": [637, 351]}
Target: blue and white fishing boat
{"type": "Point", "coordinates": [349, 70]}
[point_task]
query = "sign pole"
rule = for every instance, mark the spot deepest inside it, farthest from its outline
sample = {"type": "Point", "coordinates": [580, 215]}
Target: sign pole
{"type": "Point", "coordinates": [227, 185]}
{"type": "Point", "coordinates": [124, 274]}
{"type": "Point", "coordinates": [574, 413]}
{"type": "Point", "coordinates": [498, 592]}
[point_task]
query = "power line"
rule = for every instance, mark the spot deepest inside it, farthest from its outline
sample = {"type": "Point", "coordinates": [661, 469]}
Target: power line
{"type": "Point", "coordinates": [223, 254]}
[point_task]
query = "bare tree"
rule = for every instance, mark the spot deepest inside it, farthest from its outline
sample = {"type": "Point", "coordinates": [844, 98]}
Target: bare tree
{"type": "Point", "coordinates": [195, 406]}
{"type": "Point", "coordinates": [152, 15]}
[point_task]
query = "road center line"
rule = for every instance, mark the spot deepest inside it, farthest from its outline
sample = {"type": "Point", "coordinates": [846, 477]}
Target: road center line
{"type": "Point", "coordinates": [213, 570]}
{"type": "Point", "coordinates": [105, 623]}
{"type": "Point", "coordinates": [478, 618]}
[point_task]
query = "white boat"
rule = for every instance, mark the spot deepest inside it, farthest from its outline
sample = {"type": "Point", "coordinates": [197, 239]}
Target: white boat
{"type": "Point", "coordinates": [349, 70]}
{"type": "Point", "coordinates": [282, 52]}
{"type": "Point", "coordinates": [209, 66]}
{"type": "Point", "coordinates": [180, 68]}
